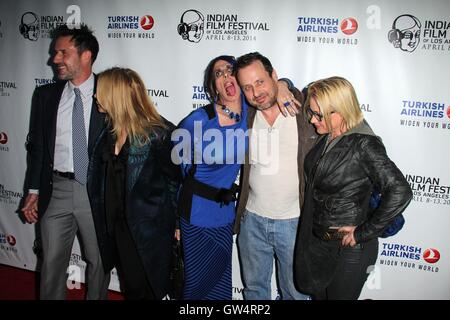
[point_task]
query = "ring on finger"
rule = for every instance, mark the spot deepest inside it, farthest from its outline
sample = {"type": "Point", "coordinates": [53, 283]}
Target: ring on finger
{"type": "Point", "coordinates": [286, 104]}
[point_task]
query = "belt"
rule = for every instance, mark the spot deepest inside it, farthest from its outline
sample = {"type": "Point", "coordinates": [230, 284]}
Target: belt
{"type": "Point", "coordinates": [330, 234]}
{"type": "Point", "coordinates": [67, 175]}
{"type": "Point", "coordinates": [192, 186]}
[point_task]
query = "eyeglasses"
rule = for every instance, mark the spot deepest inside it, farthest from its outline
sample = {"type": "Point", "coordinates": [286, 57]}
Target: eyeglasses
{"type": "Point", "coordinates": [228, 70]}
{"type": "Point", "coordinates": [311, 113]}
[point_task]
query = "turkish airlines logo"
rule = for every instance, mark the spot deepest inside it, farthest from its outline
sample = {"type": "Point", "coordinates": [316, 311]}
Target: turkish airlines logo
{"type": "Point", "coordinates": [448, 112]}
{"type": "Point", "coordinates": [147, 22]}
{"type": "Point", "coordinates": [11, 240]}
{"type": "Point", "coordinates": [431, 255]}
{"type": "Point", "coordinates": [3, 138]}
{"type": "Point", "coordinates": [349, 26]}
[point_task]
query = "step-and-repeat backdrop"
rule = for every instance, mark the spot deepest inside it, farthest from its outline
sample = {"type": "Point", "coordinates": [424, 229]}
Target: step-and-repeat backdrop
{"type": "Point", "coordinates": [396, 53]}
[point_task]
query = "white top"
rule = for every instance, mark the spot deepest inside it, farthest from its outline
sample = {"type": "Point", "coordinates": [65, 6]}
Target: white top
{"type": "Point", "coordinates": [274, 184]}
{"type": "Point", "coordinates": [63, 160]}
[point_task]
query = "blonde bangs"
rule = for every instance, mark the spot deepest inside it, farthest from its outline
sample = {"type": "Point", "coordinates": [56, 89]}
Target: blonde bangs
{"type": "Point", "coordinates": [122, 93]}
{"type": "Point", "coordinates": [337, 94]}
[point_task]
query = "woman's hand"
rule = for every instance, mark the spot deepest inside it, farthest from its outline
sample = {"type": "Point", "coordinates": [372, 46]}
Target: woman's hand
{"type": "Point", "coordinates": [177, 234]}
{"type": "Point", "coordinates": [348, 239]}
{"type": "Point", "coordinates": [286, 100]}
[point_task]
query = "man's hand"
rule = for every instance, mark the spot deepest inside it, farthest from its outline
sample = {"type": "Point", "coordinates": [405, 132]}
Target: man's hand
{"type": "Point", "coordinates": [30, 208]}
{"type": "Point", "coordinates": [177, 234]}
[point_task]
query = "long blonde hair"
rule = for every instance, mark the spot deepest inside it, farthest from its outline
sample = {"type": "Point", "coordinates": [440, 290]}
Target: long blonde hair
{"type": "Point", "coordinates": [123, 95]}
{"type": "Point", "coordinates": [336, 94]}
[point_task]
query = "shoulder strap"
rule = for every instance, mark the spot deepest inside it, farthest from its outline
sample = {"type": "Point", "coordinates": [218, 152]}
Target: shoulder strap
{"type": "Point", "coordinates": [192, 170]}
{"type": "Point", "coordinates": [209, 109]}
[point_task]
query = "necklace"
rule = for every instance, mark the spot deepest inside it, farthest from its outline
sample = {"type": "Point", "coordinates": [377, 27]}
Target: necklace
{"type": "Point", "coordinates": [232, 115]}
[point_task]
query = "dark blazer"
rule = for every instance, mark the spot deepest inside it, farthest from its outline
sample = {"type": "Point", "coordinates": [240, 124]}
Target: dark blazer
{"type": "Point", "coordinates": [307, 137]}
{"type": "Point", "coordinates": [152, 182]}
{"type": "Point", "coordinates": [42, 135]}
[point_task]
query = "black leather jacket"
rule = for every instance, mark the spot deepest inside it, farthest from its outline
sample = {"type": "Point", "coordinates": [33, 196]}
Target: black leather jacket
{"type": "Point", "coordinates": [343, 180]}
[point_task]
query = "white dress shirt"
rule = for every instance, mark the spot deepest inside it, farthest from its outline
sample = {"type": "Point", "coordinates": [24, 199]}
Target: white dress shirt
{"type": "Point", "coordinates": [63, 160]}
{"type": "Point", "coordinates": [63, 157]}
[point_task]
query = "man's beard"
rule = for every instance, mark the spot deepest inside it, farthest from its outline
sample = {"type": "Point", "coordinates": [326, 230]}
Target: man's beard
{"type": "Point", "coordinates": [266, 106]}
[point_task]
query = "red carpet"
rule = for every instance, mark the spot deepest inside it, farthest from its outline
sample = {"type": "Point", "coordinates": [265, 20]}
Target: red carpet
{"type": "Point", "coordinates": [20, 284]}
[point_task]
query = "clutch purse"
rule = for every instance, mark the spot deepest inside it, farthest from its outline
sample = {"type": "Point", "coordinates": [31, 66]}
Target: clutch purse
{"type": "Point", "coordinates": [177, 272]}
{"type": "Point", "coordinates": [395, 225]}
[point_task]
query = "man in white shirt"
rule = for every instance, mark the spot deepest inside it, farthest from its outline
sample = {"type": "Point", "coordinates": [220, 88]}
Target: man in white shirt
{"type": "Point", "coordinates": [272, 183]}
{"type": "Point", "coordinates": [64, 125]}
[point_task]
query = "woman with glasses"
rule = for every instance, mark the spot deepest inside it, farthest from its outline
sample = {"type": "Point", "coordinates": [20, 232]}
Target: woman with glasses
{"type": "Point", "coordinates": [132, 185]}
{"type": "Point", "coordinates": [211, 158]}
{"type": "Point", "coordinates": [338, 236]}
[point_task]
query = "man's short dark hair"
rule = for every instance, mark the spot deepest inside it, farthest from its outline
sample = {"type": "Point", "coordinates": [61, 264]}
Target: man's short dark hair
{"type": "Point", "coordinates": [82, 36]}
{"type": "Point", "coordinates": [247, 59]}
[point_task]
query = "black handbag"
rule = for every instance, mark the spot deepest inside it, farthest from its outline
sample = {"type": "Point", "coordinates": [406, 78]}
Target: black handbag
{"type": "Point", "coordinates": [395, 225]}
{"type": "Point", "coordinates": [177, 272]}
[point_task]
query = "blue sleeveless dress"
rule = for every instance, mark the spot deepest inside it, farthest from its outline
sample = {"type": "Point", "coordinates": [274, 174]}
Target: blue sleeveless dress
{"type": "Point", "coordinates": [208, 237]}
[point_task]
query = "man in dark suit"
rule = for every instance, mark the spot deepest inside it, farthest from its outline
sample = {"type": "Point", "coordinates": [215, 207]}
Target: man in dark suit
{"type": "Point", "coordinates": [64, 125]}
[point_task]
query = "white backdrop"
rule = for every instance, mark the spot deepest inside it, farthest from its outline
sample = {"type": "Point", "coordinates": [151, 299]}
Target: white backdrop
{"type": "Point", "coordinates": [404, 93]}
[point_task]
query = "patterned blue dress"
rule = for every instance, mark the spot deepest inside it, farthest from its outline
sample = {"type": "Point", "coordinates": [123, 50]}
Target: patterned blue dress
{"type": "Point", "coordinates": [208, 237]}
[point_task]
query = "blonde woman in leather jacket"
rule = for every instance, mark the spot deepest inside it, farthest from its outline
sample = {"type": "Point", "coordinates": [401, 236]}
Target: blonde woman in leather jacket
{"type": "Point", "coordinates": [338, 235]}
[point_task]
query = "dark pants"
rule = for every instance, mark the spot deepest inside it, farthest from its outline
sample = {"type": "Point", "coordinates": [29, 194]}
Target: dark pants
{"type": "Point", "coordinates": [131, 271]}
{"type": "Point", "coordinates": [351, 271]}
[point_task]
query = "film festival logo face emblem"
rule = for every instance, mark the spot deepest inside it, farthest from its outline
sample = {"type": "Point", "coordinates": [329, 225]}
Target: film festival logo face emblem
{"type": "Point", "coordinates": [405, 33]}
{"type": "Point", "coordinates": [29, 26]}
{"type": "Point", "coordinates": [191, 26]}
